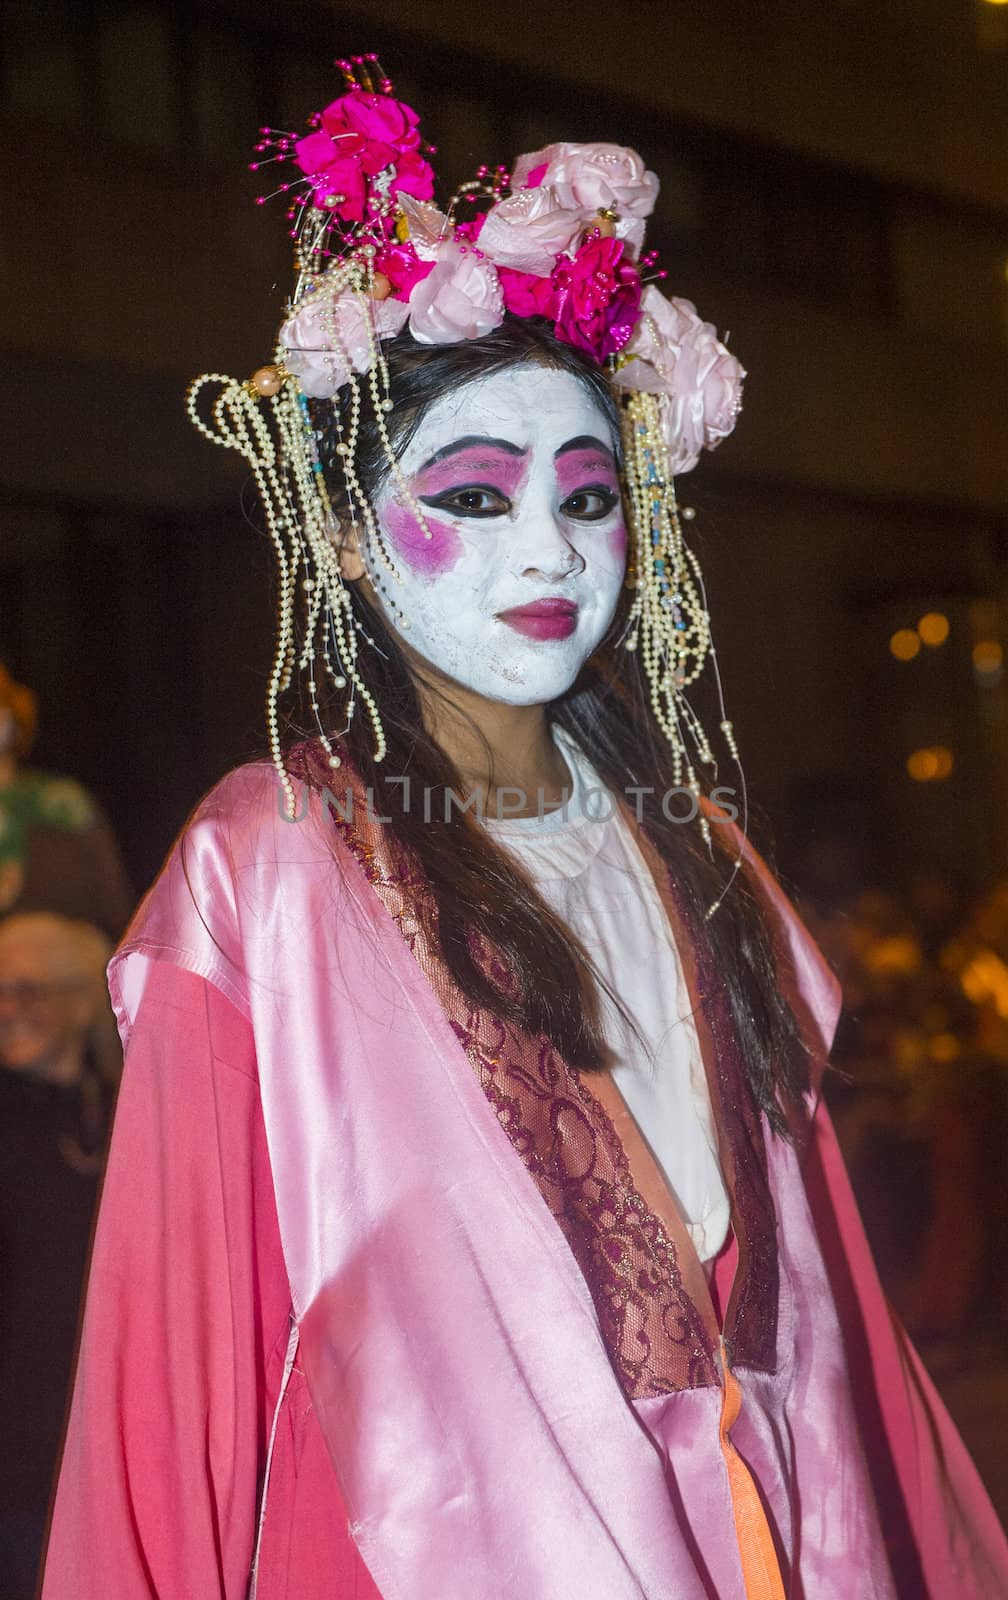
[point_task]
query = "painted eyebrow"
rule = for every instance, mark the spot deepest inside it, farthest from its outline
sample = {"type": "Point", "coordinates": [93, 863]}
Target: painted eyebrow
{"type": "Point", "coordinates": [585, 441]}
{"type": "Point", "coordinates": [470, 441]}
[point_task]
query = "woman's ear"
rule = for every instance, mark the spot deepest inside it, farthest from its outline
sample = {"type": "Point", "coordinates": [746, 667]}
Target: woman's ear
{"type": "Point", "coordinates": [344, 537]}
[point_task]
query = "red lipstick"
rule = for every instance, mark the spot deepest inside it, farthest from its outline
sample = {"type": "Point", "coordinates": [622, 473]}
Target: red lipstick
{"type": "Point", "coordinates": [552, 618]}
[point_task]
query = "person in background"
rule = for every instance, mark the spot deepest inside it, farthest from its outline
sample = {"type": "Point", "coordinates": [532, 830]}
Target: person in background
{"type": "Point", "coordinates": [57, 849]}
{"type": "Point", "coordinates": [59, 1067]}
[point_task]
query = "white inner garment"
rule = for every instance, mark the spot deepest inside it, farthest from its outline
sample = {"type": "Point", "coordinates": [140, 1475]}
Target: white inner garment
{"type": "Point", "coordinates": [593, 876]}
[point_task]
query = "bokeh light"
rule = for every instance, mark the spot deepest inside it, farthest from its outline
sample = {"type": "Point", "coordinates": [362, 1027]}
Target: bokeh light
{"type": "Point", "coordinates": [933, 628]}
{"type": "Point", "coordinates": [905, 644]}
{"type": "Point", "coordinates": [987, 656]}
{"type": "Point", "coordinates": [930, 764]}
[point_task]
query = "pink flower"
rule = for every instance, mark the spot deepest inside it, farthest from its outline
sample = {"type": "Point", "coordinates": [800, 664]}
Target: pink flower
{"type": "Point", "coordinates": [377, 117]}
{"type": "Point", "coordinates": [414, 175]}
{"type": "Point", "coordinates": [459, 299]}
{"type": "Point", "coordinates": [598, 296]}
{"type": "Point", "coordinates": [678, 356]}
{"type": "Point", "coordinates": [470, 231]}
{"type": "Point", "coordinates": [651, 355]}
{"type": "Point", "coordinates": [402, 267]}
{"type": "Point", "coordinates": [588, 178]}
{"type": "Point", "coordinates": [525, 295]}
{"type": "Point", "coordinates": [527, 231]}
{"type": "Point", "coordinates": [327, 338]}
{"type": "Point", "coordinates": [333, 175]}
{"type": "Point", "coordinates": [362, 135]}
{"type": "Point", "coordinates": [316, 151]}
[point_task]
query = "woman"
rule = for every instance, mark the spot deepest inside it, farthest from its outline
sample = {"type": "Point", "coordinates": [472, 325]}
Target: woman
{"type": "Point", "coordinates": [458, 1237]}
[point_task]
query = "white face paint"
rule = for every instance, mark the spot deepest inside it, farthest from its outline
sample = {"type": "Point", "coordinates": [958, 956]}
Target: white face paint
{"type": "Point", "coordinates": [516, 586]}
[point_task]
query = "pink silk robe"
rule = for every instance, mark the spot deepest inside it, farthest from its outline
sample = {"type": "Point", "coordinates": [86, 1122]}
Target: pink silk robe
{"type": "Point", "coordinates": [321, 1263]}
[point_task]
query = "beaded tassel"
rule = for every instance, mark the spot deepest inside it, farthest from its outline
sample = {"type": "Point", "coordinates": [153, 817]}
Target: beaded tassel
{"type": "Point", "coordinates": [669, 624]}
{"type": "Point", "coordinates": [283, 456]}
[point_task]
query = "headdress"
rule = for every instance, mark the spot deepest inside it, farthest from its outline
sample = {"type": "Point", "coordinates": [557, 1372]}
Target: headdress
{"type": "Point", "coordinates": [559, 238]}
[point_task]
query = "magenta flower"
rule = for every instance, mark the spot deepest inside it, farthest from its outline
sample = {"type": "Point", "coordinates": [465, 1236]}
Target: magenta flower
{"type": "Point", "coordinates": [525, 295]}
{"type": "Point", "coordinates": [333, 174]}
{"type": "Point", "coordinates": [470, 231]}
{"type": "Point", "coordinates": [402, 267]}
{"type": "Point", "coordinates": [414, 176]}
{"type": "Point", "coordinates": [378, 118]}
{"type": "Point", "coordinates": [360, 136]}
{"type": "Point", "coordinates": [598, 297]}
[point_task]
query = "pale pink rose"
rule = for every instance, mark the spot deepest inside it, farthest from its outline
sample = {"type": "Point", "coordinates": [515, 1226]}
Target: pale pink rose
{"type": "Point", "coordinates": [662, 326]}
{"type": "Point", "coordinates": [589, 178]}
{"type": "Point", "coordinates": [327, 338]}
{"type": "Point", "coordinates": [460, 298]}
{"type": "Point", "coordinates": [527, 231]}
{"type": "Point", "coordinates": [678, 356]}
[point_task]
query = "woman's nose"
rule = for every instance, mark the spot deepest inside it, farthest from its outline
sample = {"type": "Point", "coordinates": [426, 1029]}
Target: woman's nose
{"type": "Point", "coordinates": [547, 551]}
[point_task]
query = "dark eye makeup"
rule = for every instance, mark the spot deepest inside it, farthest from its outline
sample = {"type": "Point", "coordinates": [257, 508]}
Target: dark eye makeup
{"type": "Point", "coordinates": [590, 504]}
{"type": "Point", "coordinates": [469, 500]}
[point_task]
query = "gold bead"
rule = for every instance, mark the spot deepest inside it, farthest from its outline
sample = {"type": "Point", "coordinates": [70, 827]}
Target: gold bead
{"type": "Point", "coordinates": [267, 381]}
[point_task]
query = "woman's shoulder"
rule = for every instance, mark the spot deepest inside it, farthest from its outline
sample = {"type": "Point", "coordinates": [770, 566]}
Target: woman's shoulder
{"type": "Point", "coordinates": [251, 841]}
{"type": "Point", "coordinates": [251, 810]}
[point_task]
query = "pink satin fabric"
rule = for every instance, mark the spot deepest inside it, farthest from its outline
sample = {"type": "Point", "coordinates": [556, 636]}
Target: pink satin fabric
{"type": "Point", "coordinates": [448, 1340]}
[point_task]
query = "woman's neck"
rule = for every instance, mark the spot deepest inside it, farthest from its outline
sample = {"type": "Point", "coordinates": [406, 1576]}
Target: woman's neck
{"type": "Point", "coordinates": [497, 748]}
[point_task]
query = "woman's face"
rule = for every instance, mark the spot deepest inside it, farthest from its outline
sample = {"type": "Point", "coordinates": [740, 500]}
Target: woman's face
{"type": "Point", "coordinates": [517, 585]}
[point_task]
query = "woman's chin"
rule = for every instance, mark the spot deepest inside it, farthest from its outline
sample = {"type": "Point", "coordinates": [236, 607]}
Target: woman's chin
{"type": "Point", "coordinates": [547, 687]}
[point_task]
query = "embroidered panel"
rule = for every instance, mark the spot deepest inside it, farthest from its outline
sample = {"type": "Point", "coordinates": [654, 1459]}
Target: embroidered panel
{"type": "Point", "coordinates": [653, 1332]}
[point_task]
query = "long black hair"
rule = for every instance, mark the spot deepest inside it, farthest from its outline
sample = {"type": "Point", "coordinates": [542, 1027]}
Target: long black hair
{"type": "Point", "coordinates": [480, 895]}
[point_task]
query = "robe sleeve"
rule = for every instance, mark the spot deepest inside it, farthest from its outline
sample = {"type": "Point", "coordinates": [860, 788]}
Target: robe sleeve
{"type": "Point", "coordinates": [186, 1322]}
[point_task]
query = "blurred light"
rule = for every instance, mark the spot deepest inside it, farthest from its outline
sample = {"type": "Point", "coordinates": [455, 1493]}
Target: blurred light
{"type": "Point", "coordinates": [897, 956]}
{"type": "Point", "coordinates": [930, 765]}
{"type": "Point", "coordinates": [933, 628]}
{"type": "Point", "coordinates": [943, 1047]}
{"type": "Point", "coordinates": [922, 765]}
{"type": "Point", "coordinates": [905, 644]}
{"type": "Point", "coordinates": [987, 655]}
{"type": "Point", "coordinates": [984, 978]}
{"type": "Point", "coordinates": [996, 2]}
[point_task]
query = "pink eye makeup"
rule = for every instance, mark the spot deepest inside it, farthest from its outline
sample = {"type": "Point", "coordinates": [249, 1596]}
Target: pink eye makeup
{"type": "Point", "coordinates": [481, 467]}
{"type": "Point", "coordinates": [584, 469]}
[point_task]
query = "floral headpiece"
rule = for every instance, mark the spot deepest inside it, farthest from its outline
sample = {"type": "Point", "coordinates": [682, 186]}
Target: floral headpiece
{"type": "Point", "coordinates": [559, 238]}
